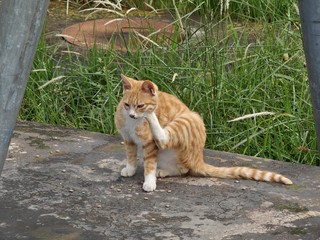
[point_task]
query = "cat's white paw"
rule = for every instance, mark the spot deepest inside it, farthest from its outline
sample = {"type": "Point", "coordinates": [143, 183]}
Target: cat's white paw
{"type": "Point", "coordinates": [149, 187]}
{"type": "Point", "coordinates": [128, 171]}
{"type": "Point", "coordinates": [150, 183]}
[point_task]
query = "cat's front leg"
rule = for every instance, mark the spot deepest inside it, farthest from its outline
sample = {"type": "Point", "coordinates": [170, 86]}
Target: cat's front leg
{"type": "Point", "coordinates": [150, 152]}
{"type": "Point", "coordinates": [131, 166]}
{"type": "Point", "coordinates": [159, 134]}
{"type": "Point", "coordinates": [150, 178]}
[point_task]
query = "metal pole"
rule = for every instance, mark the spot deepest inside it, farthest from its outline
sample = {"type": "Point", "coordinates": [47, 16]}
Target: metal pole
{"type": "Point", "coordinates": [310, 24]}
{"type": "Point", "coordinates": [21, 23]}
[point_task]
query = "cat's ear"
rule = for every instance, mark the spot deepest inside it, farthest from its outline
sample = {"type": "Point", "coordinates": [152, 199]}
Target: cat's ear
{"type": "Point", "coordinates": [126, 83]}
{"type": "Point", "coordinates": [149, 87]}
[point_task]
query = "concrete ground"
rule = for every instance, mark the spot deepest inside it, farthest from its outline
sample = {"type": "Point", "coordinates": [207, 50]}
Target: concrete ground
{"type": "Point", "coordinates": [65, 184]}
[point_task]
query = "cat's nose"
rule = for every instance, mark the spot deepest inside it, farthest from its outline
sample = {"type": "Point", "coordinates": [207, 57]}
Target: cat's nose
{"type": "Point", "coordinates": [132, 116]}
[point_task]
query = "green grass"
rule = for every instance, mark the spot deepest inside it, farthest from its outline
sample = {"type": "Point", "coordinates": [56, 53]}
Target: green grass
{"type": "Point", "coordinates": [234, 68]}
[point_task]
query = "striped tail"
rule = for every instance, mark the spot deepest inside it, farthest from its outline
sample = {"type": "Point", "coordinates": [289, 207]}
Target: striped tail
{"type": "Point", "coordinates": [208, 170]}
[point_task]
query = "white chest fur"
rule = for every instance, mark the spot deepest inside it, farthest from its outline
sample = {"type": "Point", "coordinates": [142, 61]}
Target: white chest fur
{"type": "Point", "coordinates": [128, 132]}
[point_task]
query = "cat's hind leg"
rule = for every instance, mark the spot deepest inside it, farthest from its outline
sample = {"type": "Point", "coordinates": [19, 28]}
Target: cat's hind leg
{"type": "Point", "coordinates": [184, 131]}
{"type": "Point", "coordinates": [159, 134]}
{"type": "Point", "coordinates": [168, 166]}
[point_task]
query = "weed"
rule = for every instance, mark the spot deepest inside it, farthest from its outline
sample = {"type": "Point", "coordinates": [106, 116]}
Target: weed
{"type": "Point", "coordinates": [224, 70]}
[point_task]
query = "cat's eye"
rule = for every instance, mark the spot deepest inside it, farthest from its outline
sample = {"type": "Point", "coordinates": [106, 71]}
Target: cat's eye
{"type": "Point", "coordinates": [140, 106]}
{"type": "Point", "coordinates": [127, 104]}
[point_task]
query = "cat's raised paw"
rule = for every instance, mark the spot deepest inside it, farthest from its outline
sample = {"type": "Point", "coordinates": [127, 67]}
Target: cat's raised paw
{"type": "Point", "coordinates": [150, 116]}
{"type": "Point", "coordinates": [128, 171]}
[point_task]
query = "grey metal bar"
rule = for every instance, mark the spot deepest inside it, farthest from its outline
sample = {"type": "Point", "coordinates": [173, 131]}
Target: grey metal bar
{"type": "Point", "coordinates": [21, 23]}
{"type": "Point", "coordinates": [310, 24]}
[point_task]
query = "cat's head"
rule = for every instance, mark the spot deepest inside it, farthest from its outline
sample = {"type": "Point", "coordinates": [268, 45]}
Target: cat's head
{"type": "Point", "coordinates": [139, 97]}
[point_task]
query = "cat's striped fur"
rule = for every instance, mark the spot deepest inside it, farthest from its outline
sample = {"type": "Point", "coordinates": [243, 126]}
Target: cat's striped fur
{"type": "Point", "coordinates": [170, 135]}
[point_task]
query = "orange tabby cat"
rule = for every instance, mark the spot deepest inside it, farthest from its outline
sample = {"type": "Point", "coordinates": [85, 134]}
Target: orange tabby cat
{"type": "Point", "coordinates": [170, 135]}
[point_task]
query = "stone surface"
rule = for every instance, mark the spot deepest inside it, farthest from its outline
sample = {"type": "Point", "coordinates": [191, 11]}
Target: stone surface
{"type": "Point", "coordinates": [65, 184]}
{"type": "Point", "coordinates": [121, 34]}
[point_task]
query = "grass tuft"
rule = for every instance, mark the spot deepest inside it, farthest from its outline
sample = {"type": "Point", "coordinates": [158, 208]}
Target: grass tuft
{"type": "Point", "coordinates": [225, 69]}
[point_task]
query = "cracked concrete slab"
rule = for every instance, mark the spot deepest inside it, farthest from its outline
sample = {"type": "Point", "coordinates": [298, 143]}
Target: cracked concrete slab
{"type": "Point", "coordinates": [65, 184]}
